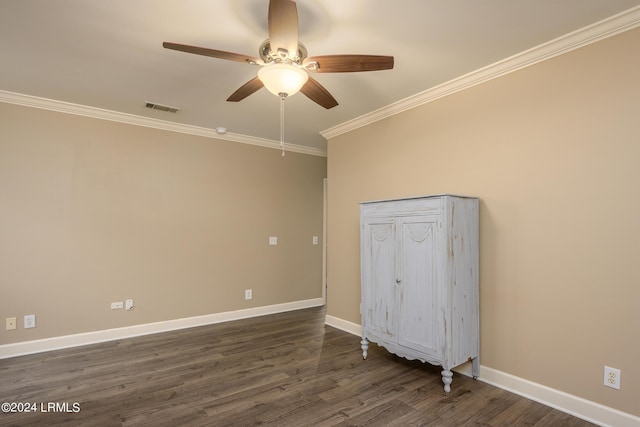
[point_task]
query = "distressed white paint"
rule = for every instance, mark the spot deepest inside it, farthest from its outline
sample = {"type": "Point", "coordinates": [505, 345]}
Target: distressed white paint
{"type": "Point", "coordinates": [419, 266]}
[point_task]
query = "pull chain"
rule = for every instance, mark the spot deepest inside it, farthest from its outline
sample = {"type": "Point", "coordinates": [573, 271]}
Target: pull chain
{"type": "Point", "coordinates": [282, 97]}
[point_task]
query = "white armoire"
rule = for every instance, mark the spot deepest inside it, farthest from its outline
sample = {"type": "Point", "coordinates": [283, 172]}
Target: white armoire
{"type": "Point", "coordinates": [419, 266]}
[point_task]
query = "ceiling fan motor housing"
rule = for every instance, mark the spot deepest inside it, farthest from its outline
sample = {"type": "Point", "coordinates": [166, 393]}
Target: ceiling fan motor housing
{"type": "Point", "coordinates": [268, 55]}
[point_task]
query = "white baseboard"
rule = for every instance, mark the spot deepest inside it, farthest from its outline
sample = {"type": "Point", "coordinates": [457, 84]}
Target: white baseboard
{"type": "Point", "coordinates": [565, 402]}
{"type": "Point", "coordinates": [56, 343]}
{"type": "Point", "coordinates": [343, 325]}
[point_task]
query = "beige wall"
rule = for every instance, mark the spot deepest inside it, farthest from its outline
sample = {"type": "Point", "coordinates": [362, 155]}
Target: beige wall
{"type": "Point", "coordinates": [553, 152]}
{"type": "Point", "coordinates": [93, 211]}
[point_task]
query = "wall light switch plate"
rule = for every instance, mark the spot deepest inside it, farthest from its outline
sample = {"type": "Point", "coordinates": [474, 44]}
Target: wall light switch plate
{"type": "Point", "coordinates": [30, 321]}
{"type": "Point", "coordinates": [273, 240]}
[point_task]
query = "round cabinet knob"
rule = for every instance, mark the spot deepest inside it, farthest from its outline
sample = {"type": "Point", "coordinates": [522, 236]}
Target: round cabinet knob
{"type": "Point", "coordinates": [397, 280]}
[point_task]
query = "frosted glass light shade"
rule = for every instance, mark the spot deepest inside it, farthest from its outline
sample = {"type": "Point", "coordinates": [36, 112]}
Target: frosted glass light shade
{"type": "Point", "coordinates": [283, 78]}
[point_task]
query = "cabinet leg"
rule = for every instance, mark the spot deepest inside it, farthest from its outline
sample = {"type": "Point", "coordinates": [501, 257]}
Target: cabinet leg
{"type": "Point", "coordinates": [475, 367]}
{"type": "Point", "coordinates": [447, 377]}
{"type": "Point", "coordinates": [364, 344]}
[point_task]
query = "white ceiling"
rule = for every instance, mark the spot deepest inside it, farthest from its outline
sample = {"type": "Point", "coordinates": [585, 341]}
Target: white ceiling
{"type": "Point", "coordinates": [109, 54]}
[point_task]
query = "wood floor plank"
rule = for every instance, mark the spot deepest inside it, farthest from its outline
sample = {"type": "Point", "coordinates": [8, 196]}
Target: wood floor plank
{"type": "Point", "coordinates": [287, 369]}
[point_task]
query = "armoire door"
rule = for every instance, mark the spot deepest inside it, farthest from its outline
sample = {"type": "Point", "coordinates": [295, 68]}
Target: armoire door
{"type": "Point", "coordinates": [379, 296]}
{"type": "Point", "coordinates": [418, 270]}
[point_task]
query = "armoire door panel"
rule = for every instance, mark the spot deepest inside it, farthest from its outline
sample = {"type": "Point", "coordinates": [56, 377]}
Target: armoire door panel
{"type": "Point", "coordinates": [419, 297]}
{"type": "Point", "coordinates": [380, 295]}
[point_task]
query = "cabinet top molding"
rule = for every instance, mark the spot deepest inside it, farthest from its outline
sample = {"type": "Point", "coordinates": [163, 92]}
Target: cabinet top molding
{"type": "Point", "coordinates": [429, 196]}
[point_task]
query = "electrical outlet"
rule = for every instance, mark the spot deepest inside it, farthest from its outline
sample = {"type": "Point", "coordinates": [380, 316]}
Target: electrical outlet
{"type": "Point", "coordinates": [612, 377]}
{"type": "Point", "coordinates": [314, 240]}
{"type": "Point", "coordinates": [117, 305]}
{"type": "Point", "coordinates": [30, 321]}
{"type": "Point", "coordinates": [248, 294]}
{"type": "Point", "coordinates": [11, 323]}
{"type": "Point", "coordinates": [128, 304]}
{"type": "Point", "coordinates": [273, 240]}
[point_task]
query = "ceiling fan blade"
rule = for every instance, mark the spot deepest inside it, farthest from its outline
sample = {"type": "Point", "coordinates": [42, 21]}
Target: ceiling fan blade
{"type": "Point", "coordinates": [246, 89]}
{"type": "Point", "coordinates": [212, 52]}
{"type": "Point", "coordinates": [318, 94]}
{"type": "Point", "coordinates": [283, 27]}
{"type": "Point", "coordinates": [348, 63]}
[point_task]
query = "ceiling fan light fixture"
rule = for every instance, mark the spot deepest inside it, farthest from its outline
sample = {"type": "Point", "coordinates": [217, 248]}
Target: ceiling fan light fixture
{"type": "Point", "coordinates": [283, 78]}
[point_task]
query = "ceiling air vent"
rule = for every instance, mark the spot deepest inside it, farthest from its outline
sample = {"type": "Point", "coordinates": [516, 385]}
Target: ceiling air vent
{"type": "Point", "coordinates": [161, 107]}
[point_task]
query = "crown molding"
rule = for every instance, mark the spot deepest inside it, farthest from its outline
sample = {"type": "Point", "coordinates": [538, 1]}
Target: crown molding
{"type": "Point", "coordinates": [132, 119]}
{"type": "Point", "coordinates": [608, 27]}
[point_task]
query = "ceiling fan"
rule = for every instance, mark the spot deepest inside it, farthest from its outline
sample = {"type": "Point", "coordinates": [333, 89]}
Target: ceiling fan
{"type": "Point", "coordinates": [284, 64]}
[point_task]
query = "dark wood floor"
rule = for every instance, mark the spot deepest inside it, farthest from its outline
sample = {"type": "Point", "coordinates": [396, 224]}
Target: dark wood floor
{"type": "Point", "coordinates": [284, 370]}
